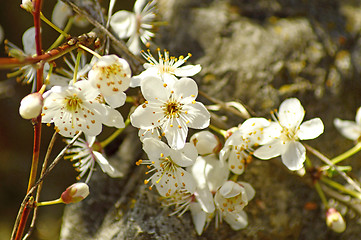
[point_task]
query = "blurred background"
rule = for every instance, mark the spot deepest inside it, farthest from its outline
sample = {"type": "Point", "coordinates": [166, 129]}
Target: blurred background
{"type": "Point", "coordinates": [16, 134]}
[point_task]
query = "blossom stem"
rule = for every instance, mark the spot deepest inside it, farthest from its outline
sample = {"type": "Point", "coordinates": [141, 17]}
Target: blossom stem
{"type": "Point", "coordinates": [340, 187]}
{"type": "Point", "coordinates": [47, 203]}
{"type": "Point", "coordinates": [104, 143]}
{"type": "Point", "coordinates": [347, 154]}
{"type": "Point", "coordinates": [53, 25]}
{"type": "Point", "coordinates": [321, 194]}
{"type": "Point", "coordinates": [218, 130]}
{"type": "Point", "coordinates": [61, 37]}
{"type": "Point", "coordinates": [89, 50]}
{"type": "Point", "coordinates": [78, 57]}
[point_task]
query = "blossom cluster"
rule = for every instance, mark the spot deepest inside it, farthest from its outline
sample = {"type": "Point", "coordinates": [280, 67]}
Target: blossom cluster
{"type": "Point", "coordinates": [199, 173]}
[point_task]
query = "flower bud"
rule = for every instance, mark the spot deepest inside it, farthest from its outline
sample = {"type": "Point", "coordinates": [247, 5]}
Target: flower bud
{"type": "Point", "coordinates": [206, 142]}
{"type": "Point", "coordinates": [335, 221]}
{"type": "Point", "coordinates": [75, 193]}
{"type": "Point", "coordinates": [31, 106]}
{"type": "Point", "coordinates": [27, 5]}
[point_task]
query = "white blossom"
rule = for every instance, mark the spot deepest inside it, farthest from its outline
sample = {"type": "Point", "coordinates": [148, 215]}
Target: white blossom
{"type": "Point", "coordinates": [169, 175]}
{"type": "Point", "coordinates": [230, 200]}
{"type": "Point", "coordinates": [77, 108]}
{"type": "Point", "coordinates": [61, 14]}
{"type": "Point", "coordinates": [350, 129]}
{"type": "Point", "coordinates": [240, 144]}
{"type": "Point", "coordinates": [173, 110]}
{"type": "Point", "coordinates": [136, 26]}
{"type": "Point", "coordinates": [284, 135]}
{"type": "Point", "coordinates": [111, 75]}
{"type": "Point", "coordinates": [335, 221]}
{"type": "Point", "coordinates": [84, 157]}
{"type": "Point", "coordinates": [166, 67]}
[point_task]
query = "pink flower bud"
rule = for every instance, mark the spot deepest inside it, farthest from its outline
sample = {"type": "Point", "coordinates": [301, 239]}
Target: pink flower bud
{"type": "Point", "coordinates": [31, 106]}
{"type": "Point", "coordinates": [206, 142]}
{"type": "Point", "coordinates": [75, 193]}
{"type": "Point", "coordinates": [335, 221]}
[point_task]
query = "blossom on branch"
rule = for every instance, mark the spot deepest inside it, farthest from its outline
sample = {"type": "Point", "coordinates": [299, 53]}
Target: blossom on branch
{"type": "Point", "coordinates": [173, 109]}
{"type": "Point", "coordinates": [169, 175]}
{"type": "Point", "coordinates": [111, 75]}
{"type": "Point", "coordinates": [283, 135]}
{"type": "Point", "coordinates": [166, 67]}
{"type": "Point", "coordinates": [136, 26]}
{"type": "Point", "coordinates": [77, 108]}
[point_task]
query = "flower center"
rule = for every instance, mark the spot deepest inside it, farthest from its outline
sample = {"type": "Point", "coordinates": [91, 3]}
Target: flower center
{"type": "Point", "coordinates": [172, 109]}
{"type": "Point", "coordinates": [73, 103]}
{"type": "Point", "coordinates": [288, 134]}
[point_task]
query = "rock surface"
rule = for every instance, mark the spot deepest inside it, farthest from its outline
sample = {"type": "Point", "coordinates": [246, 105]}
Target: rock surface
{"type": "Point", "coordinates": [258, 52]}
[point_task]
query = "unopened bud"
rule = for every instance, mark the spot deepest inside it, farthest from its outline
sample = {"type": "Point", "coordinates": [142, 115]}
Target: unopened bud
{"type": "Point", "coordinates": [75, 193]}
{"type": "Point", "coordinates": [27, 5]}
{"type": "Point", "coordinates": [335, 221]}
{"type": "Point", "coordinates": [206, 142]}
{"type": "Point", "coordinates": [31, 106]}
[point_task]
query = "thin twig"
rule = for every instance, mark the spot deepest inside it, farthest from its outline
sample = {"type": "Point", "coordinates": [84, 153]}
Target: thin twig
{"type": "Point", "coordinates": [45, 163]}
{"type": "Point", "coordinates": [48, 170]}
{"type": "Point", "coordinates": [223, 105]}
{"type": "Point", "coordinates": [327, 161]}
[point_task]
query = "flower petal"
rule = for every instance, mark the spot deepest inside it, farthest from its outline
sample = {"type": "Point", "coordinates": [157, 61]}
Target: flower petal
{"type": "Point", "coordinates": [123, 23]}
{"type": "Point", "coordinates": [310, 129]}
{"type": "Point", "coordinates": [348, 129]}
{"type": "Point", "coordinates": [271, 150]}
{"type": "Point", "coordinates": [291, 113]}
{"type": "Point", "coordinates": [153, 88]}
{"type": "Point", "coordinates": [294, 156]}
{"type": "Point", "coordinates": [358, 116]}
{"type": "Point", "coordinates": [105, 166]}
{"type": "Point", "coordinates": [188, 70]}
{"type": "Point", "coordinates": [185, 87]}
{"type": "Point", "coordinates": [198, 217]}
{"type": "Point", "coordinates": [236, 221]}
{"type": "Point", "coordinates": [116, 100]}
{"type": "Point", "coordinates": [198, 115]}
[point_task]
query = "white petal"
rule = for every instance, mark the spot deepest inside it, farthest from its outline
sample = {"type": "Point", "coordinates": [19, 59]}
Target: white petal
{"type": "Point", "coordinates": [198, 217]}
{"type": "Point", "coordinates": [134, 44]}
{"type": "Point", "coordinates": [154, 148]}
{"type": "Point", "coordinates": [291, 113]}
{"type": "Point", "coordinates": [146, 117]}
{"type": "Point", "coordinates": [153, 88]}
{"type": "Point", "coordinates": [139, 5]}
{"type": "Point", "coordinates": [175, 135]}
{"type": "Point", "coordinates": [294, 156]}
{"type": "Point", "coordinates": [205, 199]}
{"type": "Point", "coordinates": [348, 129]}
{"type": "Point", "coordinates": [188, 70]}
{"type": "Point", "coordinates": [186, 179]}
{"type": "Point", "coordinates": [123, 23]}
{"type": "Point", "coordinates": [198, 115]}
{"type": "Point", "coordinates": [271, 150]}
{"type": "Point", "coordinates": [113, 118]}
{"type": "Point", "coordinates": [116, 100]}
{"type": "Point", "coordinates": [29, 41]}
{"type": "Point", "coordinates": [358, 116]}
{"type": "Point", "coordinates": [105, 166]}
{"type": "Point", "coordinates": [230, 189]}
{"type": "Point", "coordinates": [237, 221]}
{"type": "Point", "coordinates": [61, 14]}
{"type": "Point", "coordinates": [310, 129]}
{"type": "Point", "coordinates": [185, 87]}
{"type": "Point", "coordinates": [249, 190]}
{"type": "Point", "coordinates": [236, 162]}
{"type": "Point", "coordinates": [188, 155]}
